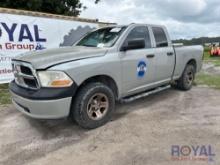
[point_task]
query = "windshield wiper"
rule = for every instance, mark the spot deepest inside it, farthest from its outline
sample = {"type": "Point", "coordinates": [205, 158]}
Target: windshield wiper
{"type": "Point", "coordinates": [89, 45]}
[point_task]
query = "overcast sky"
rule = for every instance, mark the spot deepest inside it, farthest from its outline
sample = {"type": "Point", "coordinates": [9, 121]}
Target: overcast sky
{"type": "Point", "coordinates": [184, 18]}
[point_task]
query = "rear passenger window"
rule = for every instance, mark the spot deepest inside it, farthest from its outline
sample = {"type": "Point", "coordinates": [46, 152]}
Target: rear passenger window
{"type": "Point", "coordinates": [140, 32]}
{"type": "Point", "coordinates": [160, 37]}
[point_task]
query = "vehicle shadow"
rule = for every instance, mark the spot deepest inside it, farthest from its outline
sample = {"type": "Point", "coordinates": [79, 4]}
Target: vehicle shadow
{"type": "Point", "coordinates": [145, 102]}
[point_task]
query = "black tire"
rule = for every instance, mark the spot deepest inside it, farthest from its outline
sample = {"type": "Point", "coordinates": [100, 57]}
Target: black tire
{"type": "Point", "coordinates": [186, 81]}
{"type": "Point", "coordinates": [87, 118]}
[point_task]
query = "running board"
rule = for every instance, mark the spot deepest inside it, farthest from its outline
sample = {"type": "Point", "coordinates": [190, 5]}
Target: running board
{"type": "Point", "coordinates": [145, 94]}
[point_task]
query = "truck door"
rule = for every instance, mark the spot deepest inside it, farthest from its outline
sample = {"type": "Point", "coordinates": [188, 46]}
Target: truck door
{"type": "Point", "coordinates": [164, 55]}
{"type": "Point", "coordinates": [138, 65]}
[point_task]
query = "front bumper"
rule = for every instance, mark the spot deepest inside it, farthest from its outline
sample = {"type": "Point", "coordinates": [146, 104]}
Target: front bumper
{"type": "Point", "coordinates": [42, 109]}
{"type": "Point", "coordinates": [40, 105]}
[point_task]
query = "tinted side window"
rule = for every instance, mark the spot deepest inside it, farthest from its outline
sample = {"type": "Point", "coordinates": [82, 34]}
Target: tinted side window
{"type": "Point", "coordinates": [140, 32]}
{"type": "Point", "coordinates": [160, 37]}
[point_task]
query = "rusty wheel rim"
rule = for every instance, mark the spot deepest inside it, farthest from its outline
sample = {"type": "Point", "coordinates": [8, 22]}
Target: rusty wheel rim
{"type": "Point", "coordinates": [190, 77]}
{"type": "Point", "coordinates": [97, 106]}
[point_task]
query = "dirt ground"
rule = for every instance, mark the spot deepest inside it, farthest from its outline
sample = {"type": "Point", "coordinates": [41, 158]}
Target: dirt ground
{"type": "Point", "coordinates": [140, 133]}
{"type": "Point", "coordinates": [209, 68]}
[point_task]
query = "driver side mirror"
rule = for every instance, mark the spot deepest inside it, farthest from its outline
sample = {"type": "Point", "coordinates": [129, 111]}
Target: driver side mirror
{"type": "Point", "coordinates": [138, 43]}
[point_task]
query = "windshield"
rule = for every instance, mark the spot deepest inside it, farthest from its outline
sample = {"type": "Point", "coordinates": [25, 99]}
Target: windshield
{"type": "Point", "coordinates": [105, 37]}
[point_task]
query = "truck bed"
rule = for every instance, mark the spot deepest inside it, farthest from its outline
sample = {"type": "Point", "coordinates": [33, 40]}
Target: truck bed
{"type": "Point", "coordinates": [184, 54]}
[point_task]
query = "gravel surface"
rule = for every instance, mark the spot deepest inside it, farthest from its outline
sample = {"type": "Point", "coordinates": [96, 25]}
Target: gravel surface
{"type": "Point", "coordinates": [140, 133]}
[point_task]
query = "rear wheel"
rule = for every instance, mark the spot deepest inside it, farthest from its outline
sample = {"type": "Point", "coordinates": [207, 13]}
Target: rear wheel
{"type": "Point", "coordinates": [93, 105]}
{"type": "Point", "coordinates": [186, 81]}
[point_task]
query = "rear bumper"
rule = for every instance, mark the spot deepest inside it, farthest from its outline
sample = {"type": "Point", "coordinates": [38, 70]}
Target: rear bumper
{"type": "Point", "coordinates": [45, 103]}
{"type": "Point", "coordinates": [42, 109]}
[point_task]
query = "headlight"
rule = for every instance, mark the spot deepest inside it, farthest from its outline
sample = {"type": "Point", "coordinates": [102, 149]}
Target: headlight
{"type": "Point", "coordinates": [54, 79]}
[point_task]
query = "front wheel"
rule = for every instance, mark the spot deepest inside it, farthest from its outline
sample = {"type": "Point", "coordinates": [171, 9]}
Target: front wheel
{"type": "Point", "coordinates": [93, 105]}
{"type": "Point", "coordinates": [186, 81]}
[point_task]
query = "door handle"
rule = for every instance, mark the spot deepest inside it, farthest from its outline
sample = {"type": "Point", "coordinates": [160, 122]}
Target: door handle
{"type": "Point", "coordinates": [170, 53]}
{"type": "Point", "coordinates": [150, 56]}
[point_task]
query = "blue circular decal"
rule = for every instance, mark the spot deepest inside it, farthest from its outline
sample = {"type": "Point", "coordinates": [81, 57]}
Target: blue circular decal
{"type": "Point", "coordinates": [141, 69]}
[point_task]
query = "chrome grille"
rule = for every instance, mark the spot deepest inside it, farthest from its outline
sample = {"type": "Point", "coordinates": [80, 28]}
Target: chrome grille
{"type": "Point", "coordinates": [25, 75]}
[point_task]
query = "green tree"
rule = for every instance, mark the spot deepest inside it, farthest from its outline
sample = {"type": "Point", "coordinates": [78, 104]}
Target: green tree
{"type": "Point", "coordinates": [63, 7]}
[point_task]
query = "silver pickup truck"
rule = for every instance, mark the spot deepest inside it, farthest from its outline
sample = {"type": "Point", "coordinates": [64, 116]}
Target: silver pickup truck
{"type": "Point", "coordinates": [115, 63]}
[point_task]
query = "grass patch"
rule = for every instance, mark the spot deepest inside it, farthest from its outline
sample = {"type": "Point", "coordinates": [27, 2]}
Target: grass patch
{"type": "Point", "coordinates": [208, 58]}
{"type": "Point", "coordinates": [207, 54]}
{"type": "Point", "coordinates": [209, 80]}
{"type": "Point", "coordinates": [3, 86]}
{"type": "Point", "coordinates": [4, 95]}
{"type": "Point", "coordinates": [216, 62]}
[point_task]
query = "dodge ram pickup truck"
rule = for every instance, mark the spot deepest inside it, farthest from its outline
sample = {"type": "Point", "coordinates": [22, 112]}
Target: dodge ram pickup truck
{"type": "Point", "coordinates": [114, 63]}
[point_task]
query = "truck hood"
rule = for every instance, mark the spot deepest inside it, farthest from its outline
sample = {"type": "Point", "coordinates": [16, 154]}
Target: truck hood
{"type": "Point", "coordinates": [47, 58]}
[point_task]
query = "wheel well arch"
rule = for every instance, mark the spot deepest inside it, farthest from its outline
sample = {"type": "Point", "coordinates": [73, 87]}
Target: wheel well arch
{"type": "Point", "coordinates": [192, 62]}
{"type": "Point", "coordinates": [105, 79]}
